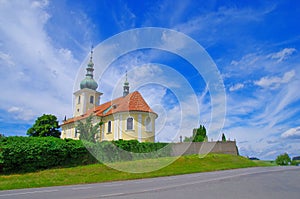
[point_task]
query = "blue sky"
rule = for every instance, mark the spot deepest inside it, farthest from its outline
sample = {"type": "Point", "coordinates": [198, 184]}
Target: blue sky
{"type": "Point", "coordinates": [255, 45]}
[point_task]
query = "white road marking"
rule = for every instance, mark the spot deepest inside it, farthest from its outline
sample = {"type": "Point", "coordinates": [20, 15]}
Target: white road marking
{"type": "Point", "coordinates": [112, 185]}
{"type": "Point", "coordinates": [81, 188]}
{"type": "Point", "coordinates": [29, 192]}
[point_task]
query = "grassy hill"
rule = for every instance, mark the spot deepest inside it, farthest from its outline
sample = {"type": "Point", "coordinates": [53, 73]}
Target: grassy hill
{"type": "Point", "coordinates": [101, 173]}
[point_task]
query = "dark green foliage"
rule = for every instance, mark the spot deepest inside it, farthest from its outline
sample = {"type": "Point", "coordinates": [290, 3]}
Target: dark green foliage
{"type": "Point", "coordinates": [23, 154]}
{"type": "Point", "coordinates": [223, 137]}
{"type": "Point", "coordinates": [44, 126]}
{"type": "Point", "coordinates": [188, 139]}
{"type": "Point", "coordinates": [295, 163]}
{"type": "Point", "coordinates": [123, 150]}
{"type": "Point", "coordinates": [87, 130]}
{"type": "Point", "coordinates": [199, 135]}
{"type": "Point", "coordinates": [283, 159]}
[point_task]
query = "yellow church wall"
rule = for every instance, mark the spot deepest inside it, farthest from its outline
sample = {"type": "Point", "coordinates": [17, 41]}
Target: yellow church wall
{"type": "Point", "coordinates": [68, 131]}
{"type": "Point", "coordinates": [119, 127]}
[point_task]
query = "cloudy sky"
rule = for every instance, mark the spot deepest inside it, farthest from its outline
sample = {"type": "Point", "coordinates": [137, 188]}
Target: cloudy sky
{"type": "Point", "coordinates": [44, 47]}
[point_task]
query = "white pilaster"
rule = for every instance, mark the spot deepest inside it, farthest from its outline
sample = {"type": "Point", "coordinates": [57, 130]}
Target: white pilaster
{"type": "Point", "coordinates": [139, 127]}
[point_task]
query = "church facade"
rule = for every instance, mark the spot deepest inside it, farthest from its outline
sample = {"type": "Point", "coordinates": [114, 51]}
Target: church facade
{"type": "Point", "coordinates": [128, 117]}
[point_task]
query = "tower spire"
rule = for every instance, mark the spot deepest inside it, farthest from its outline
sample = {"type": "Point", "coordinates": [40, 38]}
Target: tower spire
{"type": "Point", "coordinates": [126, 87]}
{"type": "Point", "coordinates": [88, 81]}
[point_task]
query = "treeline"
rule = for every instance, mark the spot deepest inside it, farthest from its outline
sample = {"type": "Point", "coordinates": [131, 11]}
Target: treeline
{"type": "Point", "coordinates": [27, 154]}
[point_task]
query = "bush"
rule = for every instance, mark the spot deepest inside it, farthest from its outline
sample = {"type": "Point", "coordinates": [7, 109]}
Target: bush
{"type": "Point", "coordinates": [123, 150]}
{"type": "Point", "coordinates": [295, 163]}
{"type": "Point", "coordinates": [283, 159]}
{"type": "Point", "coordinates": [24, 154]}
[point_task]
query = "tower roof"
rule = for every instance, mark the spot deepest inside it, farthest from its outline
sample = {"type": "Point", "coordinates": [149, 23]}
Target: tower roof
{"type": "Point", "coordinates": [131, 102]}
{"type": "Point", "coordinates": [88, 81]}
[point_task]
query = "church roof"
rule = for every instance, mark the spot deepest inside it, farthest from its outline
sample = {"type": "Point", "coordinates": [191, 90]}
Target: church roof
{"type": "Point", "coordinates": [131, 102]}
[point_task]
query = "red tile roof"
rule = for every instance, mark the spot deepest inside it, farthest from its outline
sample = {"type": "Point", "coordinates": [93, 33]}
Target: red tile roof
{"type": "Point", "coordinates": [131, 102]}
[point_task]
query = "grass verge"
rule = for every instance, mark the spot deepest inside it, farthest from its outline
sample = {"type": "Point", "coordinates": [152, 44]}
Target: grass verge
{"type": "Point", "coordinates": [101, 173]}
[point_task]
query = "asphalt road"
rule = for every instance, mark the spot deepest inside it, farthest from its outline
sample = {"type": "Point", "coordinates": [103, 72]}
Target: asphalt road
{"type": "Point", "coordinates": [258, 183]}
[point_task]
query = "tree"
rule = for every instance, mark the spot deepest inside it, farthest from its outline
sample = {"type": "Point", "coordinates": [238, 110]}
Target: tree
{"type": "Point", "coordinates": [87, 130]}
{"type": "Point", "coordinates": [199, 135]}
{"type": "Point", "coordinates": [188, 139]}
{"type": "Point", "coordinates": [44, 126]}
{"type": "Point", "coordinates": [223, 137]}
{"type": "Point", "coordinates": [283, 159]}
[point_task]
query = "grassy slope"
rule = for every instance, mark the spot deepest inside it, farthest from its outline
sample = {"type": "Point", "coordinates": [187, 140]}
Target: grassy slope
{"type": "Point", "coordinates": [101, 173]}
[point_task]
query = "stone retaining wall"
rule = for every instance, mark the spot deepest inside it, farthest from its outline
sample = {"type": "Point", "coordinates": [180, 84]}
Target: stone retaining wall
{"type": "Point", "coordinates": [185, 148]}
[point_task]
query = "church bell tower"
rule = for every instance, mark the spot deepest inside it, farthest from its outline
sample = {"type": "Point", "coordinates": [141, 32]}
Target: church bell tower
{"type": "Point", "coordinates": [87, 97]}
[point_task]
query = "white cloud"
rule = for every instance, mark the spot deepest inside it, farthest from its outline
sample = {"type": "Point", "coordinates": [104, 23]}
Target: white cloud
{"type": "Point", "coordinates": [283, 54]}
{"type": "Point", "coordinates": [236, 87]}
{"type": "Point", "coordinates": [211, 27]}
{"type": "Point", "coordinates": [293, 133]}
{"type": "Point", "coordinates": [39, 76]}
{"type": "Point", "coordinates": [6, 59]}
{"type": "Point", "coordinates": [21, 114]}
{"type": "Point", "coordinates": [275, 82]}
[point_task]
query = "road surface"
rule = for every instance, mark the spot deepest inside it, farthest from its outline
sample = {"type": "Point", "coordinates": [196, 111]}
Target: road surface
{"type": "Point", "coordinates": [256, 183]}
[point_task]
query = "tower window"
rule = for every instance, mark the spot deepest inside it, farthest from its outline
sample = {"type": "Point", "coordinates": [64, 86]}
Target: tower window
{"type": "Point", "coordinates": [130, 123]}
{"type": "Point", "coordinates": [109, 127]}
{"type": "Point", "coordinates": [78, 101]}
{"type": "Point", "coordinates": [92, 99]}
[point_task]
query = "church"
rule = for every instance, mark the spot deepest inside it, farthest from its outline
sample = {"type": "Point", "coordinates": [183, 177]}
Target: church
{"type": "Point", "coordinates": [128, 117]}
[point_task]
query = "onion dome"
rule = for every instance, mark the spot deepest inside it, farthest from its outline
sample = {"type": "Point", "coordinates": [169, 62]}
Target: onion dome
{"type": "Point", "coordinates": [88, 81]}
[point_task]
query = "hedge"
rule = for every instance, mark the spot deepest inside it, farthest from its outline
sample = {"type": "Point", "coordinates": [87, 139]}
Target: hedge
{"type": "Point", "coordinates": [122, 150]}
{"type": "Point", "coordinates": [26, 154]}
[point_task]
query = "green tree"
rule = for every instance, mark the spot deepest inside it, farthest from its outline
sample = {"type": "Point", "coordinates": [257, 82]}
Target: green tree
{"type": "Point", "coordinates": [223, 137]}
{"type": "Point", "coordinates": [199, 135]}
{"type": "Point", "coordinates": [188, 139]}
{"type": "Point", "coordinates": [44, 126]}
{"type": "Point", "coordinates": [283, 159]}
{"type": "Point", "coordinates": [87, 130]}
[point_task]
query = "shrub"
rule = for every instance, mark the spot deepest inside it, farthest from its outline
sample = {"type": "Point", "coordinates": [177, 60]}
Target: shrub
{"type": "Point", "coordinates": [123, 150]}
{"type": "Point", "coordinates": [283, 159]}
{"type": "Point", "coordinates": [24, 154]}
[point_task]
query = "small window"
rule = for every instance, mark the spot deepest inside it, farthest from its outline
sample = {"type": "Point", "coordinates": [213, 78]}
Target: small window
{"type": "Point", "coordinates": [148, 124]}
{"type": "Point", "coordinates": [78, 100]}
{"type": "Point", "coordinates": [130, 123]}
{"type": "Point", "coordinates": [109, 127]}
{"type": "Point", "coordinates": [92, 99]}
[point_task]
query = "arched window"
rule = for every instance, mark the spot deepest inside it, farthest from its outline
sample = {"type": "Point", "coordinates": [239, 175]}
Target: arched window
{"type": "Point", "coordinates": [130, 123]}
{"type": "Point", "coordinates": [92, 99]}
{"type": "Point", "coordinates": [148, 124]}
{"type": "Point", "coordinates": [78, 101]}
{"type": "Point", "coordinates": [109, 127]}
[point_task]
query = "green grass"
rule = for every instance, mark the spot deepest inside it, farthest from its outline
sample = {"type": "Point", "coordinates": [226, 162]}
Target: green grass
{"type": "Point", "coordinates": [101, 173]}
